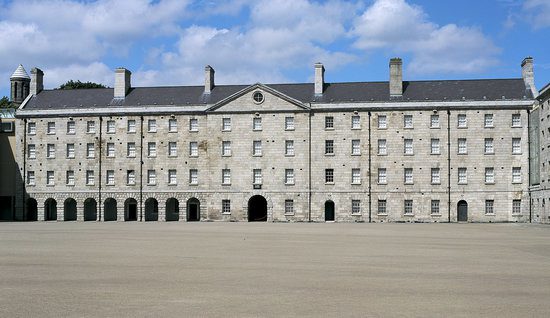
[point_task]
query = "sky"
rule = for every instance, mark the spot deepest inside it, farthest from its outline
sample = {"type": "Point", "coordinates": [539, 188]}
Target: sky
{"type": "Point", "coordinates": [168, 42]}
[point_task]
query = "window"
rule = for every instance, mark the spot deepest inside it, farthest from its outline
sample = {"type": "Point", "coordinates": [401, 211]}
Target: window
{"type": "Point", "coordinates": [408, 149]}
{"type": "Point", "coordinates": [50, 150]}
{"type": "Point", "coordinates": [226, 124]}
{"type": "Point", "coordinates": [462, 176]}
{"type": "Point", "coordinates": [152, 149]}
{"type": "Point", "coordinates": [71, 128]}
{"type": "Point", "coordinates": [90, 127]}
{"type": "Point", "coordinates": [226, 176]}
{"type": "Point", "coordinates": [489, 146]}
{"type": "Point", "coordinates": [30, 178]}
{"type": "Point", "coordinates": [382, 122]}
{"type": "Point", "coordinates": [329, 175]}
{"type": "Point", "coordinates": [193, 124]}
{"type": "Point", "coordinates": [110, 177]}
{"type": "Point", "coordinates": [355, 122]}
{"type": "Point", "coordinates": [488, 120]}
{"type": "Point", "coordinates": [289, 147]}
{"type": "Point", "coordinates": [31, 128]}
{"type": "Point", "coordinates": [257, 123]}
{"type": "Point", "coordinates": [289, 123]}
{"type": "Point", "coordinates": [516, 120]}
{"type": "Point", "coordinates": [289, 207]}
{"type": "Point", "coordinates": [434, 145]}
{"type": "Point", "coordinates": [50, 178]}
{"type": "Point", "coordinates": [152, 125]}
{"type": "Point", "coordinates": [435, 207]}
{"type": "Point", "coordinates": [172, 177]}
{"type": "Point", "coordinates": [355, 206]}
{"type": "Point", "coordinates": [516, 207]}
{"type": "Point", "coordinates": [70, 178]}
{"type": "Point", "coordinates": [408, 207]}
{"type": "Point", "coordinates": [329, 147]}
{"type": "Point", "coordinates": [516, 146]}
{"type": "Point", "coordinates": [130, 177]}
{"type": "Point", "coordinates": [172, 125]}
{"type": "Point", "coordinates": [408, 121]}
{"type": "Point", "coordinates": [226, 148]}
{"type": "Point", "coordinates": [51, 128]}
{"type": "Point", "coordinates": [436, 176]}
{"type": "Point", "coordinates": [382, 147]}
{"type": "Point", "coordinates": [382, 205]}
{"type": "Point", "coordinates": [131, 149]}
{"type": "Point", "coordinates": [356, 176]}
{"type": "Point", "coordinates": [462, 146]}
{"type": "Point", "coordinates": [329, 122]}
{"type": "Point", "coordinates": [70, 151]}
{"type": "Point", "coordinates": [408, 175]}
{"type": "Point", "coordinates": [258, 97]}
{"type": "Point", "coordinates": [489, 206]}
{"type": "Point", "coordinates": [257, 176]}
{"type": "Point", "coordinates": [434, 121]}
{"type": "Point", "coordinates": [31, 151]}
{"type": "Point", "coordinates": [355, 147]}
{"type": "Point", "coordinates": [289, 176]}
{"type": "Point", "coordinates": [151, 177]}
{"type": "Point", "coordinates": [382, 177]}
{"type": "Point", "coordinates": [516, 175]}
{"type": "Point", "coordinates": [172, 149]}
{"type": "Point", "coordinates": [226, 206]}
{"type": "Point", "coordinates": [131, 126]}
{"type": "Point", "coordinates": [90, 178]}
{"type": "Point", "coordinates": [489, 175]}
{"type": "Point", "coordinates": [462, 123]}
{"type": "Point", "coordinates": [90, 150]}
{"type": "Point", "coordinates": [111, 127]}
{"type": "Point", "coordinates": [193, 149]}
{"type": "Point", "coordinates": [193, 176]}
{"type": "Point", "coordinates": [257, 148]}
{"type": "Point", "coordinates": [110, 149]}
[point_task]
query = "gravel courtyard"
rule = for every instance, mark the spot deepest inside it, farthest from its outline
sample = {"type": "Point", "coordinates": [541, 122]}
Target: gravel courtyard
{"type": "Point", "coordinates": [119, 269]}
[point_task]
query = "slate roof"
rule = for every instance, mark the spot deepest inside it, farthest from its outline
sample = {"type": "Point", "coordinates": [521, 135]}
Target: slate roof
{"type": "Point", "coordinates": [440, 90]}
{"type": "Point", "coordinates": [20, 73]}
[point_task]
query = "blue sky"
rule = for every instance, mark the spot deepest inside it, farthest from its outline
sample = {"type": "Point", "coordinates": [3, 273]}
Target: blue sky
{"type": "Point", "coordinates": [168, 42]}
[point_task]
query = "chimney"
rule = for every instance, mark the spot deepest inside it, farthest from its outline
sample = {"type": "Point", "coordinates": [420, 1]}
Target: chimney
{"type": "Point", "coordinates": [37, 81]}
{"type": "Point", "coordinates": [208, 79]}
{"type": "Point", "coordinates": [319, 78]}
{"type": "Point", "coordinates": [528, 75]}
{"type": "Point", "coordinates": [122, 82]}
{"type": "Point", "coordinates": [396, 77]}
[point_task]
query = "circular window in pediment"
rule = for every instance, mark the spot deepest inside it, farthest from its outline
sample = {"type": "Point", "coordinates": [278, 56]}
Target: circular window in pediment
{"type": "Point", "coordinates": [258, 97]}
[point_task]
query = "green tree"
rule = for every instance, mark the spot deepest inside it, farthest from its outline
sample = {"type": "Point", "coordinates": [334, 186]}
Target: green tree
{"type": "Point", "coordinates": [5, 103]}
{"type": "Point", "coordinates": [79, 85]}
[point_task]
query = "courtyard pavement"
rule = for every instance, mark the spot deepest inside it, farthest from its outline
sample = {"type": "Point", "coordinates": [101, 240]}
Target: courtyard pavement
{"type": "Point", "coordinates": [116, 269]}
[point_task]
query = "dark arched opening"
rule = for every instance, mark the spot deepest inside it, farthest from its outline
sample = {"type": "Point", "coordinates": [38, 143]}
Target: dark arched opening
{"type": "Point", "coordinates": [462, 211]}
{"type": "Point", "coordinates": [329, 211]}
{"type": "Point", "coordinates": [69, 210]}
{"type": "Point", "coordinates": [151, 209]}
{"type": "Point", "coordinates": [130, 210]}
{"type": "Point", "coordinates": [90, 210]}
{"type": "Point", "coordinates": [50, 210]}
{"type": "Point", "coordinates": [257, 209]}
{"type": "Point", "coordinates": [109, 210]}
{"type": "Point", "coordinates": [172, 210]}
{"type": "Point", "coordinates": [193, 210]}
{"type": "Point", "coordinates": [32, 210]}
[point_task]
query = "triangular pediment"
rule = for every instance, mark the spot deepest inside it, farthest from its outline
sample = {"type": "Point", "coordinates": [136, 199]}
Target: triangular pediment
{"type": "Point", "coordinates": [248, 100]}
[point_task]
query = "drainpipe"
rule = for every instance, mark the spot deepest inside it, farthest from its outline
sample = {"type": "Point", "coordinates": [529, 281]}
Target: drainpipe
{"type": "Point", "coordinates": [370, 172]}
{"type": "Point", "coordinates": [449, 164]}
{"type": "Point", "coordinates": [24, 205]}
{"type": "Point", "coordinates": [529, 166]}
{"type": "Point", "coordinates": [100, 157]}
{"type": "Point", "coordinates": [309, 163]}
{"type": "Point", "coordinates": [141, 173]}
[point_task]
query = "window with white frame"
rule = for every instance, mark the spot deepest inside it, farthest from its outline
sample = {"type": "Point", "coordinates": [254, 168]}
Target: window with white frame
{"type": "Point", "coordinates": [151, 177]}
{"type": "Point", "coordinates": [111, 127]}
{"type": "Point", "coordinates": [172, 149]}
{"type": "Point", "coordinates": [434, 121]}
{"type": "Point", "coordinates": [516, 120]}
{"type": "Point", "coordinates": [329, 175]}
{"type": "Point", "coordinates": [516, 174]}
{"type": "Point", "coordinates": [435, 146]}
{"type": "Point", "coordinates": [193, 124]}
{"type": "Point", "coordinates": [355, 176]}
{"type": "Point", "coordinates": [50, 150]}
{"type": "Point", "coordinates": [329, 147]}
{"type": "Point", "coordinates": [382, 122]}
{"type": "Point", "coordinates": [31, 128]}
{"type": "Point", "coordinates": [408, 175]}
{"type": "Point", "coordinates": [226, 206]}
{"type": "Point", "coordinates": [355, 122]}
{"type": "Point", "coordinates": [172, 125]}
{"type": "Point", "coordinates": [131, 147]}
{"type": "Point", "coordinates": [329, 122]}
{"type": "Point", "coordinates": [152, 149]}
{"type": "Point", "coordinates": [462, 146]}
{"type": "Point", "coordinates": [436, 176]}
{"type": "Point", "coordinates": [31, 180]}
{"type": "Point", "coordinates": [382, 176]}
{"type": "Point", "coordinates": [408, 207]}
{"type": "Point", "coordinates": [355, 147]}
{"type": "Point", "coordinates": [70, 151]}
{"type": "Point", "coordinates": [462, 175]}
{"type": "Point", "coordinates": [289, 207]}
{"type": "Point", "coordinates": [131, 177]}
{"type": "Point", "coordinates": [355, 206]}
{"type": "Point", "coordinates": [71, 127]}
{"type": "Point", "coordinates": [489, 206]}
{"type": "Point", "coordinates": [226, 124]}
{"type": "Point", "coordinates": [193, 176]}
{"type": "Point", "coordinates": [257, 176]}
{"type": "Point", "coordinates": [131, 126]}
{"type": "Point", "coordinates": [489, 175]}
{"type": "Point", "coordinates": [516, 206]}
{"type": "Point", "coordinates": [31, 151]}
{"type": "Point", "coordinates": [289, 123]}
{"type": "Point", "coordinates": [435, 207]}
{"type": "Point", "coordinates": [193, 149]}
{"type": "Point", "coordinates": [289, 147]}
{"type": "Point", "coordinates": [408, 148]}
{"type": "Point", "coordinates": [382, 147]}
{"type": "Point", "coordinates": [257, 123]}
{"type": "Point", "coordinates": [90, 178]}
{"type": "Point", "coordinates": [51, 128]}
{"type": "Point", "coordinates": [257, 148]}
{"type": "Point", "coordinates": [408, 121]}
{"type": "Point", "coordinates": [516, 146]}
{"type": "Point", "coordinates": [90, 150]}
{"type": "Point", "coordinates": [172, 177]}
{"type": "Point", "coordinates": [226, 148]}
{"type": "Point", "coordinates": [488, 122]}
{"type": "Point", "coordinates": [90, 127]}
{"type": "Point", "coordinates": [226, 176]}
{"type": "Point", "coordinates": [382, 207]}
{"type": "Point", "coordinates": [462, 122]}
{"type": "Point", "coordinates": [489, 146]}
{"type": "Point", "coordinates": [289, 176]}
{"type": "Point", "coordinates": [110, 177]}
{"type": "Point", "coordinates": [50, 178]}
{"type": "Point", "coordinates": [152, 125]}
{"type": "Point", "coordinates": [70, 178]}
{"type": "Point", "coordinates": [110, 149]}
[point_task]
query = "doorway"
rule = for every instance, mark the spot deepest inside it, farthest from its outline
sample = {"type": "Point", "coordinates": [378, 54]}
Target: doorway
{"type": "Point", "coordinates": [329, 211]}
{"type": "Point", "coordinates": [130, 210]}
{"type": "Point", "coordinates": [69, 210]}
{"type": "Point", "coordinates": [193, 210]}
{"type": "Point", "coordinates": [257, 209]}
{"type": "Point", "coordinates": [50, 210]}
{"type": "Point", "coordinates": [90, 210]}
{"type": "Point", "coordinates": [462, 213]}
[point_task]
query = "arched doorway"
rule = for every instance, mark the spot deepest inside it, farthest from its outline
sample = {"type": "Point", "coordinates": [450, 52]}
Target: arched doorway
{"type": "Point", "coordinates": [90, 210]}
{"type": "Point", "coordinates": [151, 209]}
{"type": "Point", "coordinates": [130, 210]}
{"type": "Point", "coordinates": [193, 210]}
{"type": "Point", "coordinates": [109, 210]}
{"type": "Point", "coordinates": [32, 210]}
{"type": "Point", "coordinates": [172, 210]}
{"type": "Point", "coordinates": [462, 211]}
{"type": "Point", "coordinates": [257, 209]}
{"type": "Point", "coordinates": [50, 210]}
{"type": "Point", "coordinates": [69, 210]}
{"type": "Point", "coordinates": [329, 211]}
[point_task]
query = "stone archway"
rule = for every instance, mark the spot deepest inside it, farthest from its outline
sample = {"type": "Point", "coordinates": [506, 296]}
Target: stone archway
{"type": "Point", "coordinates": [193, 210]}
{"type": "Point", "coordinates": [90, 209]}
{"type": "Point", "coordinates": [50, 210]}
{"type": "Point", "coordinates": [257, 209]}
{"type": "Point", "coordinates": [151, 209]}
{"type": "Point", "coordinates": [109, 210]}
{"type": "Point", "coordinates": [130, 209]}
{"type": "Point", "coordinates": [31, 213]}
{"type": "Point", "coordinates": [69, 210]}
{"type": "Point", "coordinates": [462, 211]}
{"type": "Point", "coordinates": [329, 211]}
{"type": "Point", "coordinates": [172, 210]}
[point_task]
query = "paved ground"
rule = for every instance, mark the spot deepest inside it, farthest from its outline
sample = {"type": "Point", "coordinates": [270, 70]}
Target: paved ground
{"type": "Point", "coordinates": [273, 270]}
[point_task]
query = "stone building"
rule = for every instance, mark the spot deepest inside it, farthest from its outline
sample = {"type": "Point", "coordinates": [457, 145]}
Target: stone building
{"type": "Point", "coordinates": [391, 151]}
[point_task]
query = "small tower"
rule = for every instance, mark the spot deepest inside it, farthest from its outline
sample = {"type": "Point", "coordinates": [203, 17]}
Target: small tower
{"type": "Point", "coordinates": [20, 84]}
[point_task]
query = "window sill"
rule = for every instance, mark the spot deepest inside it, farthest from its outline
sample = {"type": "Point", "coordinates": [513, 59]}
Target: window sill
{"type": "Point", "coordinates": [131, 184]}
{"type": "Point", "coordinates": [516, 127]}
{"type": "Point", "coordinates": [226, 184]}
{"type": "Point", "coordinates": [489, 183]}
{"type": "Point", "coordinates": [152, 132]}
{"type": "Point", "coordinates": [90, 185]}
{"type": "Point", "coordinates": [329, 154]}
{"type": "Point", "coordinates": [355, 128]}
{"type": "Point", "coordinates": [172, 156]}
{"type": "Point", "coordinates": [462, 127]}
{"type": "Point", "coordinates": [193, 156]}
{"type": "Point", "coordinates": [31, 185]}
{"type": "Point", "coordinates": [435, 154]}
{"type": "Point", "coordinates": [226, 156]}
{"type": "Point", "coordinates": [193, 184]}
{"type": "Point", "coordinates": [289, 129]}
{"type": "Point", "coordinates": [436, 183]}
{"type": "Point", "coordinates": [356, 214]}
{"type": "Point", "coordinates": [517, 182]}
{"type": "Point", "coordinates": [382, 128]}
{"type": "Point", "coordinates": [193, 131]}
{"type": "Point", "coordinates": [287, 155]}
{"type": "Point", "coordinates": [463, 183]}
{"type": "Point", "coordinates": [409, 183]}
{"type": "Point", "coordinates": [435, 127]}
{"type": "Point", "coordinates": [382, 184]}
{"type": "Point", "coordinates": [356, 154]}
{"type": "Point", "coordinates": [289, 184]}
{"type": "Point", "coordinates": [382, 154]}
{"type": "Point", "coordinates": [172, 131]}
{"type": "Point", "coordinates": [110, 184]}
{"type": "Point", "coordinates": [382, 214]}
{"type": "Point", "coordinates": [462, 153]}
{"type": "Point", "coordinates": [489, 214]}
{"type": "Point", "coordinates": [226, 213]}
{"type": "Point", "coordinates": [489, 127]}
{"type": "Point", "coordinates": [408, 214]}
{"type": "Point", "coordinates": [329, 128]}
{"type": "Point", "coordinates": [435, 215]}
{"type": "Point", "coordinates": [151, 156]}
{"type": "Point", "coordinates": [489, 153]}
{"type": "Point", "coordinates": [151, 184]}
{"type": "Point", "coordinates": [408, 128]}
{"type": "Point", "coordinates": [408, 154]}
{"type": "Point", "coordinates": [329, 183]}
{"type": "Point", "coordinates": [356, 184]}
{"type": "Point", "coordinates": [256, 155]}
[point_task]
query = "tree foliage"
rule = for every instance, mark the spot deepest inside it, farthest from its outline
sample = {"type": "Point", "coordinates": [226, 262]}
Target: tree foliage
{"type": "Point", "coordinates": [79, 85]}
{"type": "Point", "coordinates": [5, 103]}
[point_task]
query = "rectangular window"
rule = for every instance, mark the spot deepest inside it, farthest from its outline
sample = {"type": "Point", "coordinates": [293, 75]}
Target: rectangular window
{"type": "Point", "coordinates": [70, 178]}
{"type": "Point", "coordinates": [462, 123]}
{"type": "Point", "coordinates": [111, 127]}
{"type": "Point", "coordinates": [90, 178]}
{"type": "Point", "coordinates": [516, 120]}
{"type": "Point", "coordinates": [226, 176]}
{"type": "Point", "coordinates": [329, 147]}
{"type": "Point", "coordinates": [329, 122]}
{"type": "Point", "coordinates": [71, 127]}
{"type": "Point", "coordinates": [257, 176]}
{"type": "Point", "coordinates": [31, 128]}
{"type": "Point", "coordinates": [355, 206]}
{"type": "Point", "coordinates": [172, 149]}
{"type": "Point", "coordinates": [226, 124]}
{"type": "Point", "coordinates": [408, 207]}
{"type": "Point", "coordinates": [131, 177]}
{"type": "Point", "coordinates": [436, 176]}
{"type": "Point", "coordinates": [462, 146]}
{"type": "Point", "coordinates": [355, 122]}
{"type": "Point", "coordinates": [516, 207]}
{"type": "Point", "coordinates": [462, 176]}
{"type": "Point", "coordinates": [382, 122]}
{"type": "Point", "coordinates": [382, 147]}
{"type": "Point", "coordinates": [50, 178]}
{"type": "Point", "coordinates": [382, 176]}
{"type": "Point", "coordinates": [489, 175]}
{"type": "Point", "coordinates": [408, 121]}
{"type": "Point", "coordinates": [193, 124]}
{"type": "Point", "coordinates": [435, 207]}
{"type": "Point", "coordinates": [152, 125]}
{"type": "Point", "coordinates": [489, 206]}
{"type": "Point", "coordinates": [356, 176]}
{"type": "Point", "coordinates": [408, 175]}
{"type": "Point", "coordinates": [51, 128]}
{"type": "Point", "coordinates": [408, 148]}
{"type": "Point", "coordinates": [356, 147]}
{"type": "Point", "coordinates": [435, 148]}
{"type": "Point", "coordinates": [289, 207]}
{"type": "Point", "coordinates": [516, 175]}
{"type": "Point", "coordinates": [110, 177]}
{"type": "Point", "coordinates": [131, 126]}
{"type": "Point", "coordinates": [193, 176]}
{"type": "Point", "coordinates": [172, 125]}
{"type": "Point", "coordinates": [90, 150]}
{"type": "Point", "coordinates": [434, 121]}
{"type": "Point", "coordinates": [90, 127]}
{"type": "Point", "coordinates": [289, 147]}
{"type": "Point", "coordinates": [70, 151]}
{"type": "Point", "coordinates": [382, 207]}
{"type": "Point", "coordinates": [152, 149]}
{"type": "Point", "coordinates": [257, 123]}
{"type": "Point", "coordinates": [289, 123]}
{"type": "Point", "coordinates": [489, 146]}
{"type": "Point", "coordinates": [193, 149]}
{"type": "Point", "coordinates": [110, 149]}
{"type": "Point", "coordinates": [31, 151]}
{"type": "Point", "coordinates": [131, 149]}
{"type": "Point", "coordinates": [289, 176]}
{"type": "Point", "coordinates": [257, 148]}
{"type": "Point", "coordinates": [516, 146]}
{"type": "Point", "coordinates": [50, 150]}
{"type": "Point", "coordinates": [226, 206]}
{"type": "Point", "coordinates": [30, 178]}
{"type": "Point", "coordinates": [172, 177]}
{"type": "Point", "coordinates": [226, 148]}
{"type": "Point", "coordinates": [329, 175]}
{"type": "Point", "coordinates": [151, 177]}
{"type": "Point", "coordinates": [488, 120]}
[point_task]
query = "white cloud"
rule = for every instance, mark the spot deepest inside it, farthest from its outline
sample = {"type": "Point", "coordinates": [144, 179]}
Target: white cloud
{"type": "Point", "coordinates": [96, 72]}
{"type": "Point", "coordinates": [538, 13]}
